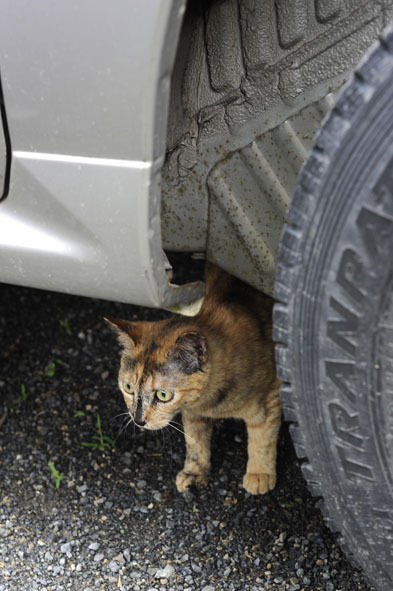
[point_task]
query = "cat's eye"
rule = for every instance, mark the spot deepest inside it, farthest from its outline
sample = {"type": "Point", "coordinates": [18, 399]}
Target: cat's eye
{"type": "Point", "coordinates": [164, 395]}
{"type": "Point", "coordinates": [128, 388]}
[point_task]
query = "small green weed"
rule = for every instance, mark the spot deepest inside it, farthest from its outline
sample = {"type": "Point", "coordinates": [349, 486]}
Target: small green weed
{"type": "Point", "coordinates": [23, 394]}
{"type": "Point", "coordinates": [100, 441]}
{"type": "Point", "coordinates": [79, 413]}
{"type": "Point", "coordinates": [58, 476]}
{"type": "Point", "coordinates": [66, 325]}
{"type": "Point", "coordinates": [50, 370]}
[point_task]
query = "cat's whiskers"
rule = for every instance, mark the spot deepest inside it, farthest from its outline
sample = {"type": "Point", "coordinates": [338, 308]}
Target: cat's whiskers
{"type": "Point", "coordinates": [123, 426]}
{"type": "Point", "coordinates": [170, 423]}
{"type": "Point", "coordinates": [167, 437]}
{"type": "Point", "coordinates": [164, 441]}
{"type": "Point", "coordinates": [122, 414]}
{"type": "Point", "coordinates": [181, 429]}
{"type": "Point", "coordinates": [177, 423]}
{"type": "Point", "coordinates": [128, 423]}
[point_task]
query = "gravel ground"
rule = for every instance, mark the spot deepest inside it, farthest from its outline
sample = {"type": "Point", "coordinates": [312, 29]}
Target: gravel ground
{"type": "Point", "coordinates": [115, 521]}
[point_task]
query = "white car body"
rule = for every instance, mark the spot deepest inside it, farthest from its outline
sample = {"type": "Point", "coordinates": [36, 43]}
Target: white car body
{"type": "Point", "coordinates": [86, 88]}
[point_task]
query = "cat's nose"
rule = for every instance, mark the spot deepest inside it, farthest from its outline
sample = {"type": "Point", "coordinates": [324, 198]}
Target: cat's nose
{"type": "Point", "coordinates": [138, 416]}
{"type": "Point", "coordinates": [140, 422]}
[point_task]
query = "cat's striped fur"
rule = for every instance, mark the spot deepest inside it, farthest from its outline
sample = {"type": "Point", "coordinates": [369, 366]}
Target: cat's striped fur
{"type": "Point", "coordinates": [219, 364]}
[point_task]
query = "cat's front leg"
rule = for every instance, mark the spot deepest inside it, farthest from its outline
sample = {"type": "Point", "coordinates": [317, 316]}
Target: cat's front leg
{"type": "Point", "coordinates": [262, 430]}
{"type": "Point", "coordinates": [197, 432]}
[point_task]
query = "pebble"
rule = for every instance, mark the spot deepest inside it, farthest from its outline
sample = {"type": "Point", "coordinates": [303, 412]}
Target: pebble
{"type": "Point", "coordinates": [113, 566]}
{"type": "Point", "coordinates": [119, 558]}
{"type": "Point", "coordinates": [165, 573]}
{"type": "Point", "coordinates": [66, 548]}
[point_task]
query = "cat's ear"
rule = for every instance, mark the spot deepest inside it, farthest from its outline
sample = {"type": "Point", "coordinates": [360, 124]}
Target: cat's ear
{"type": "Point", "coordinates": [128, 333]}
{"type": "Point", "coordinates": [189, 353]}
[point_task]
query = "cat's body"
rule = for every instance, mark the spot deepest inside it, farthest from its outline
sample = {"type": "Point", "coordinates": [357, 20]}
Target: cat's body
{"type": "Point", "coordinates": [219, 364]}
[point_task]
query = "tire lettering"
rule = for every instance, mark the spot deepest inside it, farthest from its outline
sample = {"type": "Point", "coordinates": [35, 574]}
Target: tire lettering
{"type": "Point", "coordinates": [350, 274]}
{"type": "Point", "coordinates": [345, 425]}
{"type": "Point", "coordinates": [354, 470]}
{"type": "Point", "coordinates": [342, 375]}
{"type": "Point", "coordinates": [339, 330]}
{"type": "Point", "coordinates": [376, 231]}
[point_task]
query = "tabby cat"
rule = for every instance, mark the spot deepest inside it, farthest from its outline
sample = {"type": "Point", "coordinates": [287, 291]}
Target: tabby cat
{"type": "Point", "coordinates": [218, 364]}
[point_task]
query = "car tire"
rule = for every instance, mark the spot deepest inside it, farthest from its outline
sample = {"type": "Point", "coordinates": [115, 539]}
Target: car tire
{"type": "Point", "coordinates": [334, 322]}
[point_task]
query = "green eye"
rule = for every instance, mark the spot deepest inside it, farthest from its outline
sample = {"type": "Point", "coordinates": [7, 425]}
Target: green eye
{"type": "Point", "coordinates": [128, 388]}
{"type": "Point", "coordinates": [164, 395]}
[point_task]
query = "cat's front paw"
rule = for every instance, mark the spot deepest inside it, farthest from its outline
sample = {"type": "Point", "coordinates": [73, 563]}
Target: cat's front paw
{"type": "Point", "coordinates": [186, 479]}
{"type": "Point", "coordinates": [259, 483]}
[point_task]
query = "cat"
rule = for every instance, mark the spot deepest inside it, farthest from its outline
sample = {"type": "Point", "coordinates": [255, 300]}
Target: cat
{"type": "Point", "coordinates": [218, 364]}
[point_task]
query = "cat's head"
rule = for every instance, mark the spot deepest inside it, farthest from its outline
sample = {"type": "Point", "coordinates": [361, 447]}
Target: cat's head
{"type": "Point", "coordinates": [163, 368]}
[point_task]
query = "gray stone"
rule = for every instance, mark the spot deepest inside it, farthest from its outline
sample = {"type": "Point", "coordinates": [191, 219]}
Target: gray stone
{"type": "Point", "coordinates": [165, 573]}
{"type": "Point", "coordinates": [113, 566]}
{"type": "Point", "coordinates": [66, 548]}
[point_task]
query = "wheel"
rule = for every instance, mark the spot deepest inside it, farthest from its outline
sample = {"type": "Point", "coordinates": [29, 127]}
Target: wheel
{"type": "Point", "coordinates": [334, 324]}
